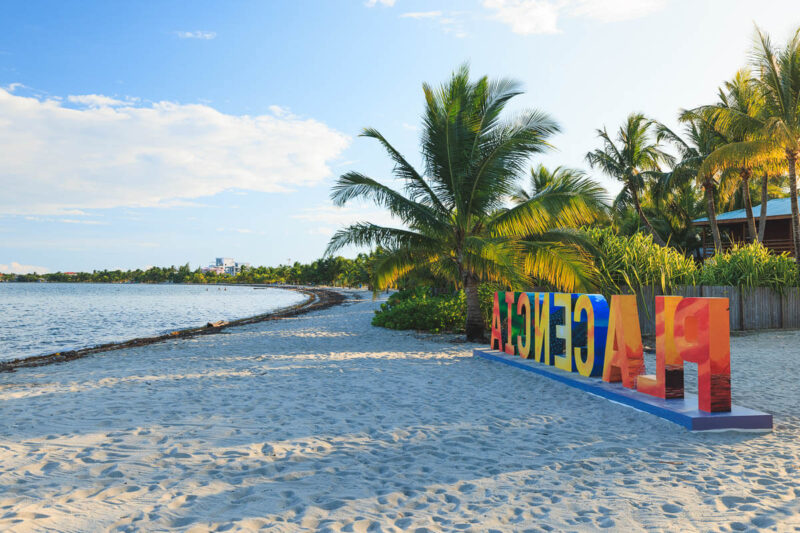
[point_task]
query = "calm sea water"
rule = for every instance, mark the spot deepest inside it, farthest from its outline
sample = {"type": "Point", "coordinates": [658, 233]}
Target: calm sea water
{"type": "Point", "coordinates": [41, 318]}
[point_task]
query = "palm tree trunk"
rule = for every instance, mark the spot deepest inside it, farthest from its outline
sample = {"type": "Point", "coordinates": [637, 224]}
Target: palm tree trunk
{"type": "Point", "coordinates": [791, 158]}
{"type": "Point", "coordinates": [656, 237]}
{"type": "Point", "coordinates": [712, 216]}
{"type": "Point", "coordinates": [748, 205]}
{"type": "Point", "coordinates": [474, 326]}
{"type": "Point", "coordinates": [762, 217]}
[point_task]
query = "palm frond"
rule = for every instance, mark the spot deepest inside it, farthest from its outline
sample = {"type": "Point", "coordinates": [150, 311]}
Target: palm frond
{"type": "Point", "coordinates": [356, 185]}
{"type": "Point", "coordinates": [368, 234]}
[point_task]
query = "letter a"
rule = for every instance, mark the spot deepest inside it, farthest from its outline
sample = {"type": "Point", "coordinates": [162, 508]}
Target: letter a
{"type": "Point", "coordinates": [624, 359]}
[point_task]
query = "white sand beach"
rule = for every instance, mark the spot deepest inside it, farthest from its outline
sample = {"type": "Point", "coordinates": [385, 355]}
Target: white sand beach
{"type": "Point", "coordinates": [322, 422]}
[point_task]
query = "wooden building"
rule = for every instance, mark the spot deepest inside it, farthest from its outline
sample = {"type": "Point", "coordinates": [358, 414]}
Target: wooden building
{"type": "Point", "coordinates": [733, 227]}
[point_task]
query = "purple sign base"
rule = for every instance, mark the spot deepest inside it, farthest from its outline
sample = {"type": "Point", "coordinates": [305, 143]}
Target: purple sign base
{"type": "Point", "coordinates": [683, 412]}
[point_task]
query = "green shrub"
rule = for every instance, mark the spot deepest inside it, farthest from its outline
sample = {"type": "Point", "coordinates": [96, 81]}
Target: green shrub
{"type": "Point", "coordinates": [635, 261]}
{"type": "Point", "coordinates": [416, 309]}
{"type": "Point", "coordinates": [486, 295]}
{"type": "Point", "coordinates": [750, 265]}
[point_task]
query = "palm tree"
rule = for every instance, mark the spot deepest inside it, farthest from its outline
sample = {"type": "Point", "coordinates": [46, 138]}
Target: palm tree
{"type": "Point", "coordinates": [456, 220]}
{"type": "Point", "coordinates": [779, 82]}
{"type": "Point", "coordinates": [699, 141]}
{"type": "Point", "coordinates": [777, 126]}
{"type": "Point", "coordinates": [543, 179]}
{"type": "Point", "coordinates": [741, 97]}
{"type": "Point", "coordinates": [633, 161]}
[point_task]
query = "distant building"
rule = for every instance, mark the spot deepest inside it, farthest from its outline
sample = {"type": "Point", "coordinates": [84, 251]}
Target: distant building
{"type": "Point", "coordinates": [226, 265]}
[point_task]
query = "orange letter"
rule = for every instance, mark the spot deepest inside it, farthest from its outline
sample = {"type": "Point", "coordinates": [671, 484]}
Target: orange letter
{"type": "Point", "coordinates": [702, 336]}
{"type": "Point", "coordinates": [624, 352]}
{"type": "Point", "coordinates": [524, 309]}
{"type": "Point", "coordinates": [668, 380]}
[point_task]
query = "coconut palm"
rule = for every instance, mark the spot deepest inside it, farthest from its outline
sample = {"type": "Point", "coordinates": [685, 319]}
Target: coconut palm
{"type": "Point", "coordinates": [543, 180]}
{"type": "Point", "coordinates": [775, 132]}
{"type": "Point", "coordinates": [456, 222]}
{"type": "Point", "coordinates": [740, 97]}
{"type": "Point", "coordinates": [699, 140]}
{"type": "Point", "coordinates": [633, 160]}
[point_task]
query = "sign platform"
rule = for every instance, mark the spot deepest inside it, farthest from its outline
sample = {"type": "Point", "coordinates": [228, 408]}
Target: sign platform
{"type": "Point", "coordinates": [683, 412]}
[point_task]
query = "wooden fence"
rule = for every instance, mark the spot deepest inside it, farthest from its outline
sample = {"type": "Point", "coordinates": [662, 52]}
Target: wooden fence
{"type": "Point", "coordinates": [750, 309]}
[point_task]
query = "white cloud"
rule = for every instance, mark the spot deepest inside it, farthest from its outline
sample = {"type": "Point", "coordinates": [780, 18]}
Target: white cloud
{"type": "Point", "coordinates": [205, 35]}
{"type": "Point", "coordinates": [59, 160]}
{"type": "Point", "coordinates": [452, 23]}
{"type": "Point", "coordinates": [526, 16]}
{"type": "Point", "coordinates": [542, 16]}
{"type": "Point", "coordinates": [373, 3]}
{"type": "Point", "coordinates": [93, 100]}
{"type": "Point", "coordinates": [421, 15]}
{"type": "Point", "coordinates": [97, 100]}
{"type": "Point", "coordinates": [16, 268]}
{"type": "Point", "coordinates": [615, 10]}
{"type": "Point", "coordinates": [88, 222]}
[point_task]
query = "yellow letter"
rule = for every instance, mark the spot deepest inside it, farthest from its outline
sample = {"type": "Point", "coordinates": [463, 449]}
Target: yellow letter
{"type": "Point", "coordinates": [524, 310]}
{"type": "Point", "coordinates": [564, 331]}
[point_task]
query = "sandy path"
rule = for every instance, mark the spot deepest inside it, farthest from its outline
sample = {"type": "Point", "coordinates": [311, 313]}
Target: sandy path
{"type": "Point", "coordinates": [322, 422]}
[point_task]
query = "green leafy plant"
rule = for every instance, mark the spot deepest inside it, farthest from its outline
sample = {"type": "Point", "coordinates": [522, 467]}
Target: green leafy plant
{"type": "Point", "coordinates": [415, 309]}
{"type": "Point", "coordinates": [636, 261]}
{"type": "Point", "coordinates": [751, 265]}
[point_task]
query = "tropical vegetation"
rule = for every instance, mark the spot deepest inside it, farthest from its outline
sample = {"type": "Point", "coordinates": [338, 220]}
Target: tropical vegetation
{"type": "Point", "coordinates": [332, 271]}
{"type": "Point", "coordinates": [455, 221]}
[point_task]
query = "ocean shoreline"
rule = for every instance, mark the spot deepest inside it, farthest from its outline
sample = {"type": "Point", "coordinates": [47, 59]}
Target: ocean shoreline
{"type": "Point", "coordinates": [317, 298]}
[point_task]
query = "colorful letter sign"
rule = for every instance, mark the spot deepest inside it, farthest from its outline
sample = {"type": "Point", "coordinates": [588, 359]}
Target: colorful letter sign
{"type": "Point", "coordinates": [582, 333]}
{"type": "Point", "coordinates": [668, 379]}
{"type": "Point", "coordinates": [624, 351]}
{"type": "Point", "coordinates": [702, 336]}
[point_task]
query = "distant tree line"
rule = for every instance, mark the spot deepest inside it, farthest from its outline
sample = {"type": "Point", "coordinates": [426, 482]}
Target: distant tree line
{"type": "Point", "coordinates": [335, 271]}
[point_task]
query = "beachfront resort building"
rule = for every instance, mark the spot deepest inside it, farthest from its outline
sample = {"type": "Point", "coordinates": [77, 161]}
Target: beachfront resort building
{"type": "Point", "coordinates": [733, 227]}
{"type": "Point", "coordinates": [226, 265]}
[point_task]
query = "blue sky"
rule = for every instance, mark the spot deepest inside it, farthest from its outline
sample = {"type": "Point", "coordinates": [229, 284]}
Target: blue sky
{"type": "Point", "coordinates": [159, 133]}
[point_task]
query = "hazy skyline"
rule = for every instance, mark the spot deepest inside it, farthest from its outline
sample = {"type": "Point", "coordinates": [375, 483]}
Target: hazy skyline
{"type": "Point", "coordinates": [156, 134]}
